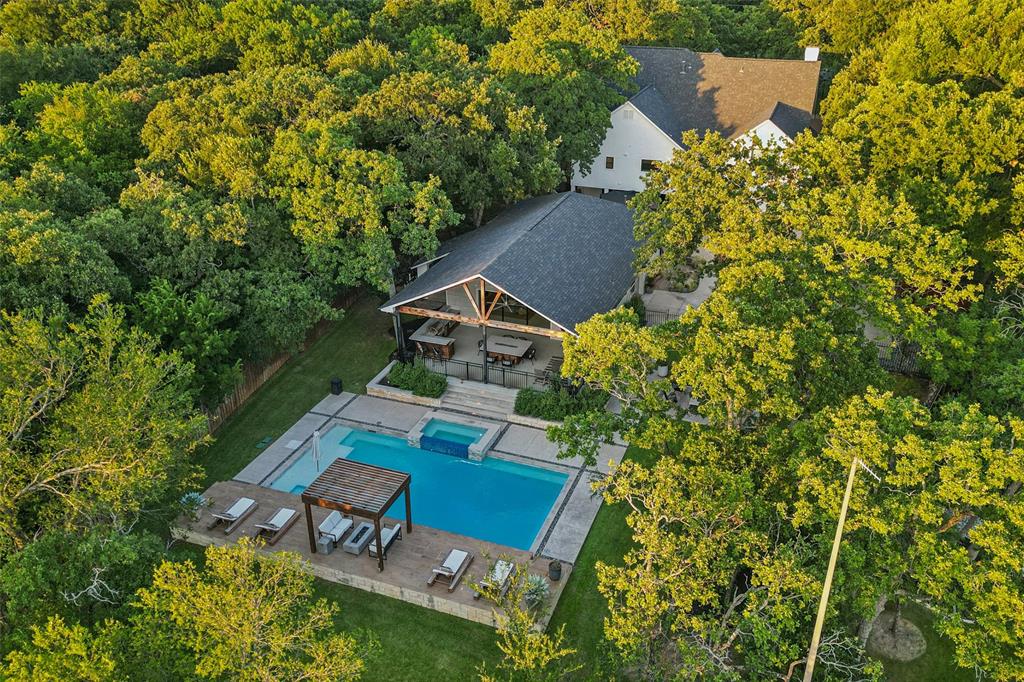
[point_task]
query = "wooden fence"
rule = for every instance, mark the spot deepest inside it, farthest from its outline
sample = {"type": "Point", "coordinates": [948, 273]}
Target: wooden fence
{"type": "Point", "coordinates": [255, 374]}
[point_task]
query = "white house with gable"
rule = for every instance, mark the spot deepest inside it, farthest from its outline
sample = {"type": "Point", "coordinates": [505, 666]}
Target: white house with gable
{"type": "Point", "coordinates": [680, 90]}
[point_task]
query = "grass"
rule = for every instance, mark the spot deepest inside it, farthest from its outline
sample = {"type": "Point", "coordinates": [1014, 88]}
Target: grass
{"type": "Point", "coordinates": [355, 349]}
{"type": "Point", "coordinates": [936, 664]}
{"type": "Point", "coordinates": [581, 608]}
{"type": "Point", "coordinates": [415, 643]}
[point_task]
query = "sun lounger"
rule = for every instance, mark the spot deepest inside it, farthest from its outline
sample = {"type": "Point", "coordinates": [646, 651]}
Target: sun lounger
{"type": "Point", "coordinates": [451, 569]}
{"type": "Point", "coordinates": [233, 515]}
{"type": "Point", "coordinates": [498, 578]}
{"type": "Point", "coordinates": [334, 527]}
{"type": "Point", "coordinates": [387, 538]}
{"type": "Point", "coordinates": [273, 529]}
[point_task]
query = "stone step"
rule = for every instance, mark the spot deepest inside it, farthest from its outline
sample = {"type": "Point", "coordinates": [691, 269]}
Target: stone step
{"type": "Point", "coordinates": [483, 408]}
{"type": "Point", "coordinates": [483, 403]}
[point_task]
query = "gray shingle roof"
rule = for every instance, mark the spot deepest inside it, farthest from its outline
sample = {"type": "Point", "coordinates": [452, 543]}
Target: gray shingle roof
{"type": "Point", "coordinates": [650, 102]}
{"type": "Point", "coordinates": [730, 95]}
{"type": "Point", "coordinates": [566, 256]}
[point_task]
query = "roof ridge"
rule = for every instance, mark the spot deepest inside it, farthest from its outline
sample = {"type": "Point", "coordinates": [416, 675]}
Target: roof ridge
{"type": "Point", "coordinates": [539, 220]}
{"type": "Point", "coordinates": [720, 54]}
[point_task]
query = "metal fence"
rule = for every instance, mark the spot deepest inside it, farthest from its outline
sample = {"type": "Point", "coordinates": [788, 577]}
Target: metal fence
{"type": "Point", "coordinates": [901, 358]}
{"type": "Point", "coordinates": [497, 374]}
{"type": "Point", "coordinates": [655, 317]}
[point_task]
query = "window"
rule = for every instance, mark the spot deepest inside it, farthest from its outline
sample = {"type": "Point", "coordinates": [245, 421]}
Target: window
{"type": "Point", "coordinates": [647, 165]}
{"type": "Point", "coordinates": [609, 162]}
{"type": "Point", "coordinates": [627, 114]}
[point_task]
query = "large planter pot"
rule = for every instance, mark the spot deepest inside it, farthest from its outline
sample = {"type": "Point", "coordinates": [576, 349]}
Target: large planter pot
{"type": "Point", "coordinates": [555, 570]}
{"type": "Point", "coordinates": [663, 371]}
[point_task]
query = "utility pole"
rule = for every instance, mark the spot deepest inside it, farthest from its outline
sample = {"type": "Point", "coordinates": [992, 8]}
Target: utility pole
{"type": "Point", "coordinates": [812, 653]}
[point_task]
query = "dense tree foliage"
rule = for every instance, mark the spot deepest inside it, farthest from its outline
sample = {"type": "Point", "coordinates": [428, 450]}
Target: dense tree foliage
{"type": "Point", "coordinates": [901, 221]}
{"type": "Point", "coordinates": [97, 424]}
{"type": "Point", "coordinates": [245, 615]}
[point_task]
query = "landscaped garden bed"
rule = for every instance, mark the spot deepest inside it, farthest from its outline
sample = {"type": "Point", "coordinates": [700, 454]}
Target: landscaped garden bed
{"type": "Point", "coordinates": [557, 403]}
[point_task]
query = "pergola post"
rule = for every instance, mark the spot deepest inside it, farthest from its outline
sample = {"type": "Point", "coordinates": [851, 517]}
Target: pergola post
{"type": "Point", "coordinates": [380, 544]}
{"type": "Point", "coordinates": [309, 528]}
{"type": "Point", "coordinates": [408, 505]}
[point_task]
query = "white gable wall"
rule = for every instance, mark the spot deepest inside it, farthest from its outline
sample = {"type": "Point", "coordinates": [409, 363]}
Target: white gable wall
{"type": "Point", "coordinates": [769, 134]}
{"type": "Point", "coordinates": [631, 139]}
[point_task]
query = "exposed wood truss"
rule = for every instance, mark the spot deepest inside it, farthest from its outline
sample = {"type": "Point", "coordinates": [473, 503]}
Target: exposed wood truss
{"type": "Point", "coordinates": [495, 324]}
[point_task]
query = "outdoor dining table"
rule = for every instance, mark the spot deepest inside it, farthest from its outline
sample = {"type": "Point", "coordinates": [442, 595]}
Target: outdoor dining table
{"type": "Point", "coordinates": [508, 348]}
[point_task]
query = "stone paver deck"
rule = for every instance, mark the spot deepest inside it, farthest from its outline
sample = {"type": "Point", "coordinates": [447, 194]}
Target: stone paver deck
{"type": "Point", "coordinates": [408, 562]}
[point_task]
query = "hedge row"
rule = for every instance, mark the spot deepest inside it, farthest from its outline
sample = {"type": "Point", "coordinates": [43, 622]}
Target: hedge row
{"type": "Point", "coordinates": [418, 379]}
{"type": "Point", "coordinates": [555, 404]}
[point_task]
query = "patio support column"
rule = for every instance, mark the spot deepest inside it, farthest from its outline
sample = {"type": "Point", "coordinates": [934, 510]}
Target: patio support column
{"type": "Point", "coordinates": [408, 505]}
{"type": "Point", "coordinates": [484, 327]}
{"type": "Point", "coordinates": [309, 528]}
{"type": "Point", "coordinates": [399, 337]}
{"type": "Point", "coordinates": [380, 545]}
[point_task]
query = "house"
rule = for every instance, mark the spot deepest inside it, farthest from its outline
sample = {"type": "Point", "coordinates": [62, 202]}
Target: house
{"type": "Point", "coordinates": [680, 90]}
{"type": "Point", "coordinates": [496, 302]}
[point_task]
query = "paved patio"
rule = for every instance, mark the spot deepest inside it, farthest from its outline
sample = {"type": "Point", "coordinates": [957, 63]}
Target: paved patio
{"type": "Point", "coordinates": [409, 560]}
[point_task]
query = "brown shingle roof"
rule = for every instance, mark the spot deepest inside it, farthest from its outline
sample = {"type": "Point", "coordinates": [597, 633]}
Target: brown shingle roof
{"type": "Point", "coordinates": [730, 95]}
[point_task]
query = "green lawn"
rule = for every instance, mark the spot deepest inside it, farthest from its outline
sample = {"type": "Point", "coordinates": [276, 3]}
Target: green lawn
{"type": "Point", "coordinates": [416, 643]}
{"type": "Point", "coordinates": [936, 664]}
{"type": "Point", "coordinates": [355, 349]}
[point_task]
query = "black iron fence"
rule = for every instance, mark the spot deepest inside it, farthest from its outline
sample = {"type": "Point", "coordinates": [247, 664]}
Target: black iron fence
{"type": "Point", "coordinates": [901, 358]}
{"type": "Point", "coordinates": [655, 317]}
{"type": "Point", "coordinates": [497, 374]}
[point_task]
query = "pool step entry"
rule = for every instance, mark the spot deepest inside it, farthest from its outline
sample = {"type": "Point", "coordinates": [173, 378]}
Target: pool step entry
{"type": "Point", "coordinates": [436, 440]}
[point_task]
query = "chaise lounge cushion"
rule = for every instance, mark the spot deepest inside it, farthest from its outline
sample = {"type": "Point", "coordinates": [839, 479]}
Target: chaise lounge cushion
{"type": "Point", "coordinates": [452, 562]}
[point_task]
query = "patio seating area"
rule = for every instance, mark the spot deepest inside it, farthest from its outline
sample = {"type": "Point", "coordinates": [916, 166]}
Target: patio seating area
{"type": "Point", "coordinates": [539, 357]}
{"type": "Point", "coordinates": [412, 561]}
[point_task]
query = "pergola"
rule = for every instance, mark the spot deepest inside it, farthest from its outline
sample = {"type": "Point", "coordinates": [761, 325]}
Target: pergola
{"type": "Point", "coordinates": [360, 489]}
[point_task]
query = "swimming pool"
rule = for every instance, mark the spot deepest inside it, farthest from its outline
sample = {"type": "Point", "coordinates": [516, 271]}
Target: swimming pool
{"type": "Point", "coordinates": [463, 434]}
{"type": "Point", "coordinates": [495, 500]}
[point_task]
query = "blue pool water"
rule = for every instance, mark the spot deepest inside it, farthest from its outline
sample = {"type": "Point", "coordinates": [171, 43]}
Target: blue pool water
{"type": "Point", "coordinates": [452, 432]}
{"type": "Point", "coordinates": [495, 500]}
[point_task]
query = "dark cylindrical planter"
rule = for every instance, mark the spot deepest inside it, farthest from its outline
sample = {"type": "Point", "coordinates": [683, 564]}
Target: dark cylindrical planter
{"type": "Point", "coordinates": [555, 571]}
{"type": "Point", "coordinates": [336, 386]}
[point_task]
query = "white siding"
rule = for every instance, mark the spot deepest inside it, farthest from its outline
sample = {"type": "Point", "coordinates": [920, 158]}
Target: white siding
{"type": "Point", "coordinates": [631, 139]}
{"type": "Point", "coordinates": [768, 132]}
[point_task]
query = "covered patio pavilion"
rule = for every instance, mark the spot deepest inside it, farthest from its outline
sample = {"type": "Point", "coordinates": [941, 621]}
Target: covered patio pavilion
{"type": "Point", "coordinates": [528, 277]}
{"type": "Point", "coordinates": [359, 489]}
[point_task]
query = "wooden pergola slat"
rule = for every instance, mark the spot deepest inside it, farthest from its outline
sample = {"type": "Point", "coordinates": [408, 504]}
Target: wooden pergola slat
{"type": "Point", "coordinates": [359, 489]}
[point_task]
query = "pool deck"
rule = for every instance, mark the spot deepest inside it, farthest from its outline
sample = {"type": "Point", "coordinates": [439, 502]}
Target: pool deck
{"type": "Point", "coordinates": [561, 536]}
{"type": "Point", "coordinates": [408, 564]}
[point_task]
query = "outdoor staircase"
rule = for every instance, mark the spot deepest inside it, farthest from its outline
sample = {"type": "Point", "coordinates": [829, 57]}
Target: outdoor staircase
{"type": "Point", "coordinates": [482, 400]}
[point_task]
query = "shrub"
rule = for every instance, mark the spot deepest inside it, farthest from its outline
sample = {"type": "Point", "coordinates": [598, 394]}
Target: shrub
{"type": "Point", "coordinates": [555, 404]}
{"type": "Point", "coordinates": [418, 379]}
{"type": "Point", "coordinates": [637, 305]}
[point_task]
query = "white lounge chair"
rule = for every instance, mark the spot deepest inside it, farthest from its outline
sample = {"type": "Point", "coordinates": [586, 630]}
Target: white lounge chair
{"type": "Point", "coordinates": [387, 538]}
{"type": "Point", "coordinates": [498, 578]}
{"type": "Point", "coordinates": [233, 515]}
{"type": "Point", "coordinates": [274, 528]}
{"type": "Point", "coordinates": [452, 568]}
{"type": "Point", "coordinates": [334, 527]}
